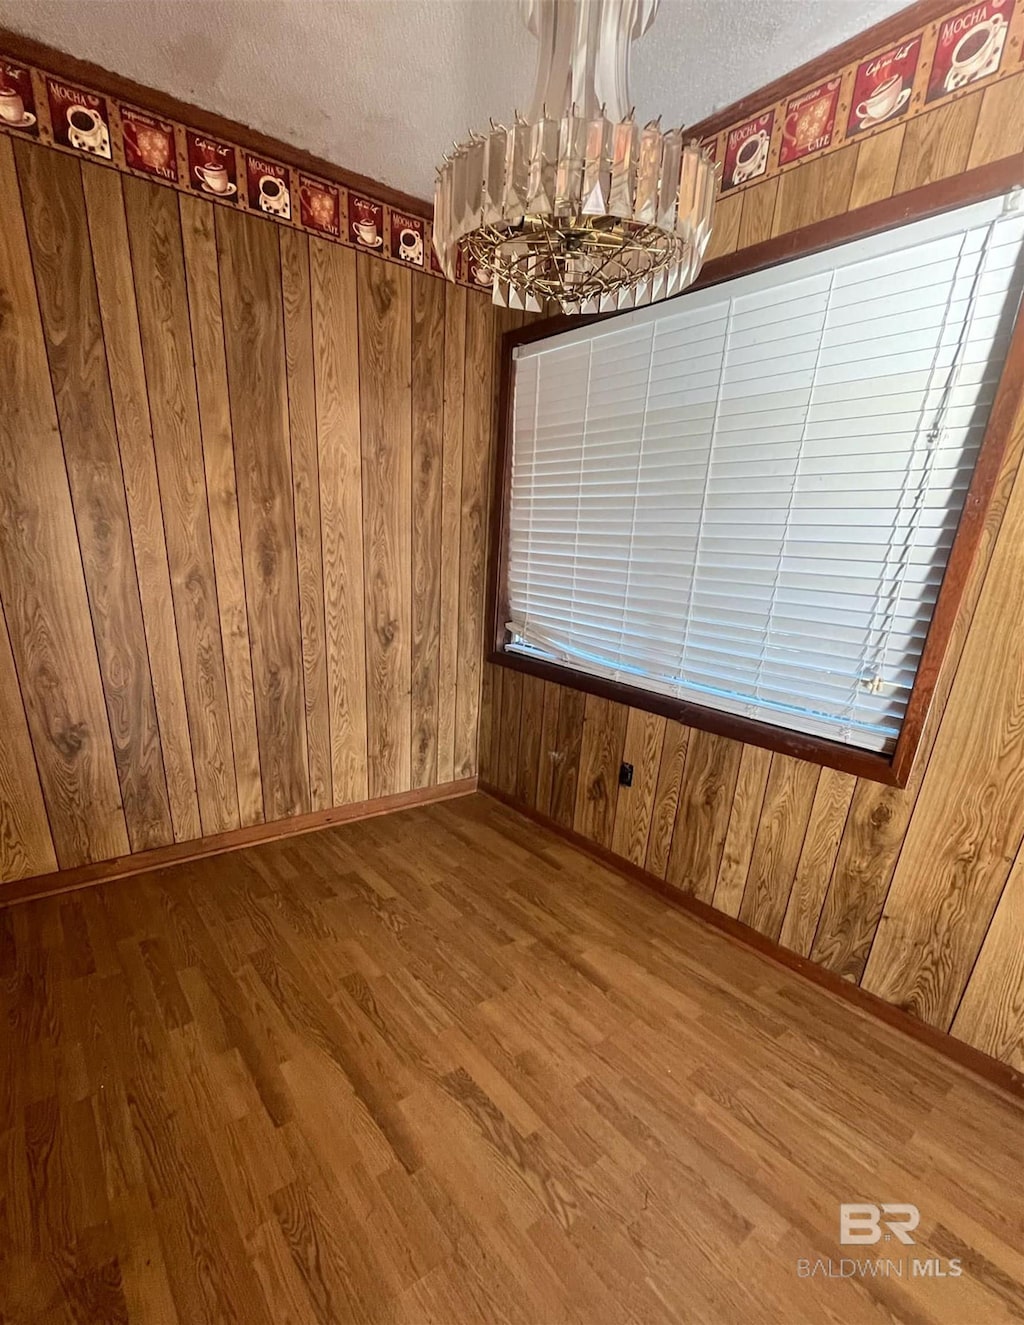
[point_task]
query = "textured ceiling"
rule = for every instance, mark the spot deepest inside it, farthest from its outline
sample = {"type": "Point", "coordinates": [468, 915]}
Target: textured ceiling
{"type": "Point", "coordinates": [382, 86]}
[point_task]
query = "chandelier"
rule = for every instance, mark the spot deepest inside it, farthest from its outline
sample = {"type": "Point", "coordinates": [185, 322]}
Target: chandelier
{"type": "Point", "coordinates": [575, 204]}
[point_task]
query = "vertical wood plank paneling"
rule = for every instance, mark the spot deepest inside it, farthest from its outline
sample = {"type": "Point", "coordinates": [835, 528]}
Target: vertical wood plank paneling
{"type": "Point", "coordinates": [58, 235]}
{"type": "Point", "coordinates": [476, 450]}
{"type": "Point", "coordinates": [877, 161]}
{"type": "Point", "coordinates": [744, 817]}
{"type": "Point", "coordinates": [969, 817]}
{"type": "Point", "coordinates": [336, 367]}
{"type": "Point", "coordinates": [530, 734]}
{"type": "Point", "coordinates": [879, 816]}
{"type": "Point", "coordinates": [498, 675]}
{"type": "Point", "coordinates": [298, 337]}
{"type": "Point", "coordinates": [548, 751]}
{"type": "Point", "coordinates": [817, 858]}
{"type": "Point", "coordinates": [645, 735]}
{"type": "Point", "coordinates": [991, 1014]}
{"type": "Point", "coordinates": [385, 362]}
{"type": "Point", "coordinates": [207, 323]}
{"type": "Point", "coordinates": [781, 828]}
{"type": "Point", "coordinates": [568, 740]}
{"type": "Point", "coordinates": [999, 131]}
{"type": "Point", "coordinates": [154, 233]}
{"type": "Point", "coordinates": [726, 230]}
{"type": "Point", "coordinates": [604, 735]}
{"type": "Point", "coordinates": [455, 372]}
{"type": "Point", "coordinates": [702, 820]}
{"type": "Point", "coordinates": [666, 797]}
{"type": "Point", "coordinates": [192, 602]}
{"type": "Point", "coordinates": [451, 525]}
{"type": "Point", "coordinates": [250, 274]}
{"type": "Point", "coordinates": [510, 712]}
{"type": "Point", "coordinates": [42, 585]}
{"type": "Point", "coordinates": [820, 189]}
{"type": "Point", "coordinates": [488, 681]}
{"type": "Point", "coordinates": [871, 841]}
{"type": "Point", "coordinates": [428, 319]}
{"type": "Point", "coordinates": [109, 240]}
{"type": "Point", "coordinates": [758, 213]}
{"type": "Point", "coordinates": [26, 846]}
{"type": "Point", "coordinates": [938, 144]}
{"type": "Point", "coordinates": [503, 320]}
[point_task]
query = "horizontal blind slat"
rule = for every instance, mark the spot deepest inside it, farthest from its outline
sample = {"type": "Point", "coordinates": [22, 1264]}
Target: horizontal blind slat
{"type": "Point", "coordinates": [748, 494]}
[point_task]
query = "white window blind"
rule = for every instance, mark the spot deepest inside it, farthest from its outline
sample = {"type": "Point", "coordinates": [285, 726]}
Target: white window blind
{"type": "Point", "coordinates": [746, 497]}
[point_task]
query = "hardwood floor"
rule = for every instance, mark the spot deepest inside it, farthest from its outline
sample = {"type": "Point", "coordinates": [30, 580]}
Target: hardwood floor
{"type": "Point", "coordinates": [441, 1067]}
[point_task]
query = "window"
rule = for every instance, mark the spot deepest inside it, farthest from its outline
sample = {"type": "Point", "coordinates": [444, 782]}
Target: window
{"type": "Point", "coordinates": [745, 498]}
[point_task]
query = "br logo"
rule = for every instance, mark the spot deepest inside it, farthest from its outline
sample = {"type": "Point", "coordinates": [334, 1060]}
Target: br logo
{"type": "Point", "coordinates": [866, 1223]}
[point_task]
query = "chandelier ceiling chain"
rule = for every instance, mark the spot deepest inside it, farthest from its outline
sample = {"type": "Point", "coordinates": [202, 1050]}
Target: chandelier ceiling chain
{"type": "Point", "coordinates": [576, 204]}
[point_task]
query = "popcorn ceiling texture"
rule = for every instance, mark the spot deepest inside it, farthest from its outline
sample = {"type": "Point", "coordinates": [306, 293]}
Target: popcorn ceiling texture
{"type": "Point", "coordinates": [382, 86]}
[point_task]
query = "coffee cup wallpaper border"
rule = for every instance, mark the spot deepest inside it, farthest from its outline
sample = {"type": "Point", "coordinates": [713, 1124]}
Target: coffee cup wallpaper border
{"type": "Point", "coordinates": [125, 136]}
{"type": "Point", "coordinates": [951, 57]}
{"type": "Point", "coordinates": [969, 47]}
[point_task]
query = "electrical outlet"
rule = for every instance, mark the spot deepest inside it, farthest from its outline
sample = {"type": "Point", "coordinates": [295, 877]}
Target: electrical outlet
{"type": "Point", "coordinates": [625, 775]}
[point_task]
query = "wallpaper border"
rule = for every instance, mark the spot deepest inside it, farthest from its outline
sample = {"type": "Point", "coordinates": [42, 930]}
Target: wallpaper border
{"type": "Point", "coordinates": [932, 64]}
{"type": "Point", "coordinates": [881, 85]}
{"type": "Point", "coordinates": [127, 135]}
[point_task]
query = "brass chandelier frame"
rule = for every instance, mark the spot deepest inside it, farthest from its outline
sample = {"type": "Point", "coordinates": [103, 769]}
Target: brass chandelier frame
{"type": "Point", "coordinates": [575, 204]}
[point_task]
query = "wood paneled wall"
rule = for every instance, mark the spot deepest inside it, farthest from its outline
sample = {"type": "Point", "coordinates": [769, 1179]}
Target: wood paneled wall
{"type": "Point", "coordinates": [916, 894]}
{"type": "Point", "coordinates": [244, 476]}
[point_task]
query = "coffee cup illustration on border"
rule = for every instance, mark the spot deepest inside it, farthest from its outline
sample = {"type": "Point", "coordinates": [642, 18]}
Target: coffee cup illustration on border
{"type": "Point", "coordinates": [211, 167]}
{"type": "Point", "coordinates": [969, 47]}
{"type": "Point", "coordinates": [79, 119]}
{"type": "Point", "coordinates": [151, 146]}
{"type": "Point", "coordinates": [274, 195]}
{"type": "Point", "coordinates": [882, 102]}
{"type": "Point", "coordinates": [268, 187]}
{"type": "Point", "coordinates": [142, 142]}
{"type": "Point", "coordinates": [810, 121]}
{"type": "Point", "coordinates": [746, 150]}
{"type": "Point", "coordinates": [148, 144]}
{"type": "Point", "coordinates": [407, 238]}
{"type": "Point", "coordinates": [17, 101]}
{"type": "Point", "coordinates": [320, 206]}
{"type": "Point", "coordinates": [12, 106]}
{"type": "Point", "coordinates": [480, 275]}
{"type": "Point", "coordinates": [87, 131]}
{"type": "Point", "coordinates": [214, 177]}
{"type": "Point", "coordinates": [366, 222]}
{"type": "Point", "coordinates": [975, 50]}
{"type": "Point", "coordinates": [410, 243]}
{"type": "Point", "coordinates": [750, 158]}
{"type": "Point", "coordinates": [882, 86]}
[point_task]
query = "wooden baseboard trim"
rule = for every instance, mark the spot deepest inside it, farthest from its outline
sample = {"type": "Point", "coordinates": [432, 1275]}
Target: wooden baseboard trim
{"type": "Point", "coordinates": [180, 853]}
{"type": "Point", "coordinates": [964, 1055]}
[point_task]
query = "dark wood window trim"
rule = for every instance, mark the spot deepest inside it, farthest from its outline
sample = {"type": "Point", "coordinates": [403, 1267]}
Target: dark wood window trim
{"type": "Point", "coordinates": [929, 200]}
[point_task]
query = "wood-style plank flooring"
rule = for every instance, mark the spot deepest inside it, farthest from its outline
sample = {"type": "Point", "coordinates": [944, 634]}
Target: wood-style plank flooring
{"type": "Point", "coordinates": [441, 1067]}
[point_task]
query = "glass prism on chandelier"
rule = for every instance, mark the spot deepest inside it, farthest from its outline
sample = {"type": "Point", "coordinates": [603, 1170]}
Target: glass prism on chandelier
{"type": "Point", "coordinates": [576, 204]}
